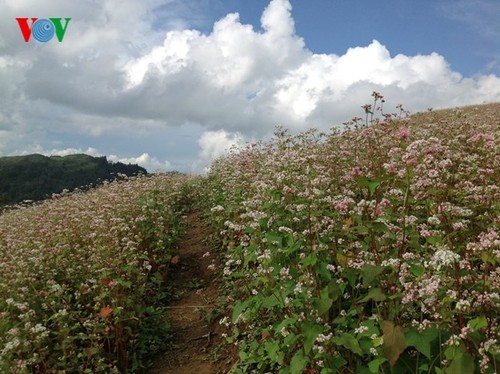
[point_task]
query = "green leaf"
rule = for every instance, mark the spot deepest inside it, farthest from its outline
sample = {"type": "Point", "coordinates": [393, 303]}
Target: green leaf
{"type": "Point", "coordinates": [461, 365]}
{"type": "Point", "coordinates": [298, 363]}
{"type": "Point", "coordinates": [453, 352]}
{"type": "Point", "coordinates": [334, 290]}
{"type": "Point", "coordinates": [348, 341]}
{"type": "Point", "coordinates": [360, 229]}
{"type": "Point", "coordinates": [243, 355]}
{"type": "Point", "coordinates": [273, 351]}
{"type": "Point", "coordinates": [363, 370]}
{"type": "Point", "coordinates": [337, 362]}
{"type": "Point", "coordinates": [310, 260]}
{"type": "Point", "coordinates": [421, 340]}
{"type": "Point", "coordinates": [378, 226]}
{"type": "Point", "coordinates": [274, 237]}
{"type": "Point", "coordinates": [375, 364]}
{"type": "Point", "coordinates": [371, 184]}
{"type": "Point", "coordinates": [378, 341]}
{"type": "Point", "coordinates": [325, 302]}
{"type": "Point", "coordinates": [435, 240]}
{"type": "Point", "coordinates": [416, 270]}
{"type": "Point", "coordinates": [125, 283]}
{"type": "Point", "coordinates": [478, 323]}
{"type": "Point", "coordinates": [270, 302]}
{"type": "Point", "coordinates": [488, 257]}
{"type": "Point", "coordinates": [374, 294]}
{"type": "Point", "coordinates": [351, 275]}
{"type": "Point", "coordinates": [370, 273]}
{"type": "Point", "coordinates": [310, 332]}
{"type": "Point", "coordinates": [239, 306]}
{"type": "Point", "coordinates": [290, 340]}
{"type": "Point", "coordinates": [394, 341]}
{"type": "Point", "coordinates": [276, 194]}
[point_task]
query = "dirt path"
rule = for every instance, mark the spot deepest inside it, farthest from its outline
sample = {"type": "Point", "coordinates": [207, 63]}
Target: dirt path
{"type": "Point", "coordinates": [194, 316]}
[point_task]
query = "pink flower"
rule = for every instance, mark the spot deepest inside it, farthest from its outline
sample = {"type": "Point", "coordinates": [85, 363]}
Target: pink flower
{"type": "Point", "coordinates": [404, 132]}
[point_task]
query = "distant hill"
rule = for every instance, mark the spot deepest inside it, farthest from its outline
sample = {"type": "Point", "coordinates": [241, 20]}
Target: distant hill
{"type": "Point", "coordinates": [35, 177]}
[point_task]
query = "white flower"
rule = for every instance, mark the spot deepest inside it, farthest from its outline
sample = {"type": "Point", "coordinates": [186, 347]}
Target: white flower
{"type": "Point", "coordinates": [323, 338]}
{"type": "Point", "coordinates": [433, 220]}
{"type": "Point", "coordinates": [285, 273]}
{"type": "Point", "coordinates": [10, 346]}
{"type": "Point", "coordinates": [298, 287]}
{"type": "Point", "coordinates": [392, 262]}
{"type": "Point", "coordinates": [361, 329]}
{"type": "Point", "coordinates": [453, 340]}
{"type": "Point", "coordinates": [285, 229]}
{"type": "Point", "coordinates": [443, 257]}
{"type": "Point", "coordinates": [462, 305]}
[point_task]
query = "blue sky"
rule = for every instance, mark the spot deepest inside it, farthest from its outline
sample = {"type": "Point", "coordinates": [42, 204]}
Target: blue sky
{"type": "Point", "coordinates": [171, 84]}
{"type": "Point", "coordinates": [466, 32]}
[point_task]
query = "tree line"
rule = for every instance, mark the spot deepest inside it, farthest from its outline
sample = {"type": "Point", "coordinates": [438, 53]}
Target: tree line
{"type": "Point", "coordinates": [36, 177]}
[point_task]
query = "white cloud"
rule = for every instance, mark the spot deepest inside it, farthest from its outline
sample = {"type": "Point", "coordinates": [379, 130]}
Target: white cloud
{"type": "Point", "coordinates": [151, 164]}
{"type": "Point", "coordinates": [214, 144]}
{"type": "Point", "coordinates": [248, 81]}
{"type": "Point", "coordinates": [277, 19]}
{"type": "Point", "coordinates": [167, 59]}
{"type": "Point", "coordinates": [120, 73]}
{"type": "Point", "coordinates": [72, 151]}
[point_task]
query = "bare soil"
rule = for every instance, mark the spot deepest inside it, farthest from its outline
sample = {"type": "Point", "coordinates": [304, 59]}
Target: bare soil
{"type": "Point", "coordinates": [194, 315]}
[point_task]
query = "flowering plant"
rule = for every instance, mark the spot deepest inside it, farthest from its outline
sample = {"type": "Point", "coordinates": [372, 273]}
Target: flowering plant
{"type": "Point", "coordinates": [374, 249]}
{"type": "Point", "coordinates": [81, 277]}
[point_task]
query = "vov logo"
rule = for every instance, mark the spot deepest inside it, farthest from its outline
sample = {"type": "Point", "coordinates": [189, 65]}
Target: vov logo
{"type": "Point", "coordinates": [43, 29]}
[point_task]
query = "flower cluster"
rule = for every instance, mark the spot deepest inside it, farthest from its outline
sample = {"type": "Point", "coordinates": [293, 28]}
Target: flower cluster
{"type": "Point", "coordinates": [397, 219]}
{"type": "Point", "coordinates": [79, 276]}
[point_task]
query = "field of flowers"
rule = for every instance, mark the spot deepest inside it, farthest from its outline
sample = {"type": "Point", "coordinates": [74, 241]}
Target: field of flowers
{"type": "Point", "coordinates": [373, 249]}
{"type": "Point", "coordinates": [81, 277]}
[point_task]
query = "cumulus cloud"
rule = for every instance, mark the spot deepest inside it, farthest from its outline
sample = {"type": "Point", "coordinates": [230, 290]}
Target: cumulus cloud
{"type": "Point", "coordinates": [149, 163]}
{"type": "Point", "coordinates": [248, 81]}
{"type": "Point", "coordinates": [130, 67]}
{"type": "Point", "coordinates": [214, 144]}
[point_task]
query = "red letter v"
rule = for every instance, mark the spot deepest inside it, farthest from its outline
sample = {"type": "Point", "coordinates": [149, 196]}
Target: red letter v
{"type": "Point", "coordinates": [25, 29]}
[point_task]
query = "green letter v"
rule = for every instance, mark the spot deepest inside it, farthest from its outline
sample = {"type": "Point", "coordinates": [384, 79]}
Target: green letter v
{"type": "Point", "coordinates": [60, 30]}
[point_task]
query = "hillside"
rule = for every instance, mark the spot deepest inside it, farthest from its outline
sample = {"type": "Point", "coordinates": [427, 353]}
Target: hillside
{"type": "Point", "coordinates": [34, 177]}
{"type": "Point", "coordinates": [369, 250]}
